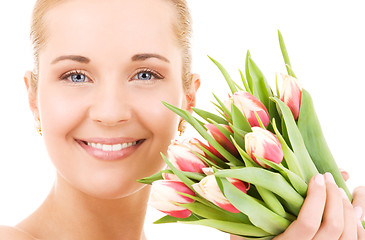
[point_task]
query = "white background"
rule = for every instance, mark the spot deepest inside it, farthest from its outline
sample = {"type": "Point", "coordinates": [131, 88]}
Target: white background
{"type": "Point", "coordinates": [325, 40]}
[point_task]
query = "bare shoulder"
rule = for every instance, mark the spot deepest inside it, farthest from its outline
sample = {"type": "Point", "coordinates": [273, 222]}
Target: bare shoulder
{"type": "Point", "coordinates": [11, 233]}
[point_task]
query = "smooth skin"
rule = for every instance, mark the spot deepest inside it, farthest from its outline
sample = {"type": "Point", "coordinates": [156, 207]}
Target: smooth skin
{"type": "Point", "coordinates": [327, 213]}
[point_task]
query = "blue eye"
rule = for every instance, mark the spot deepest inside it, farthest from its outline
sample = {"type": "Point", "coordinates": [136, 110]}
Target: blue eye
{"type": "Point", "coordinates": [78, 77]}
{"type": "Point", "coordinates": [147, 75]}
{"type": "Point", "coordinates": [75, 77]}
{"type": "Point", "coordinates": [144, 76]}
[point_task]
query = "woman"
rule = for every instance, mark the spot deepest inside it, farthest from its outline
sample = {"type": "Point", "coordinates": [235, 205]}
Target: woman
{"type": "Point", "coordinates": [102, 70]}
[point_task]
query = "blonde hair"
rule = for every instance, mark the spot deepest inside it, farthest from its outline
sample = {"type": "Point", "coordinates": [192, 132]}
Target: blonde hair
{"type": "Point", "coordinates": [182, 30]}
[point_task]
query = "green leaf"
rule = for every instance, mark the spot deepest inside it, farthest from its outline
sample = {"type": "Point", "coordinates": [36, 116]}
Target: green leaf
{"type": "Point", "coordinates": [259, 215]}
{"type": "Point", "coordinates": [179, 174]}
{"type": "Point", "coordinates": [202, 131]}
{"type": "Point", "coordinates": [261, 89]}
{"type": "Point", "coordinates": [171, 219]}
{"type": "Point", "coordinates": [224, 131]}
{"type": "Point", "coordinates": [231, 227]}
{"type": "Point", "coordinates": [239, 120]}
{"type": "Point", "coordinates": [315, 141]}
{"type": "Point", "coordinates": [290, 158]}
{"type": "Point", "coordinates": [208, 212]}
{"type": "Point", "coordinates": [271, 201]}
{"type": "Point", "coordinates": [205, 115]}
{"type": "Point", "coordinates": [307, 166]}
{"type": "Point", "coordinates": [206, 160]}
{"type": "Point", "coordinates": [246, 158]}
{"type": "Point", "coordinates": [269, 180]}
{"type": "Point", "coordinates": [234, 217]}
{"type": "Point", "coordinates": [247, 88]}
{"type": "Point", "coordinates": [228, 78]}
{"type": "Point", "coordinates": [248, 75]}
{"type": "Point", "coordinates": [216, 159]}
{"type": "Point", "coordinates": [149, 180]}
{"type": "Point", "coordinates": [285, 55]}
{"type": "Point", "coordinates": [223, 107]}
{"type": "Point", "coordinates": [296, 181]}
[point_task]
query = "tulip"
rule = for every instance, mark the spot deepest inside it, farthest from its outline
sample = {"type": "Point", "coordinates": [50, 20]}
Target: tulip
{"type": "Point", "coordinates": [291, 94]}
{"type": "Point", "coordinates": [165, 192]}
{"type": "Point", "coordinates": [170, 176]}
{"type": "Point", "coordinates": [221, 139]}
{"type": "Point", "coordinates": [209, 189]}
{"type": "Point", "coordinates": [262, 143]}
{"type": "Point", "coordinates": [248, 105]}
{"type": "Point", "coordinates": [181, 156]}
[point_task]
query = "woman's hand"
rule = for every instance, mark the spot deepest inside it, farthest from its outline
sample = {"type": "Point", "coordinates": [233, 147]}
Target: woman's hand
{"type": "Point", "coordinates": [327, 213]}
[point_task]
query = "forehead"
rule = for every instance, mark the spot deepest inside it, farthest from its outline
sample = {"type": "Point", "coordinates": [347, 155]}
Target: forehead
{"type": "Point", "coordinates": [110, 27]}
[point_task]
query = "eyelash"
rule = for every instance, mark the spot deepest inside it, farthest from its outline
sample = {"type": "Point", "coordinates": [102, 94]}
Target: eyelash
{"type": "Point", "coordinates": [74, 72]}
{"type": "Point", "coordinates": [155, 74]}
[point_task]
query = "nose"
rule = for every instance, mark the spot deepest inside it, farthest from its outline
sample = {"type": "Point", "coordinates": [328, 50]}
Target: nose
{"type": "Point", "coordinates": [111, 104]}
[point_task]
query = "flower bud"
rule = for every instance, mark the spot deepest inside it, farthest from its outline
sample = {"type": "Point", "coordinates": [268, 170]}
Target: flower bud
{"type": "Point", "coordinates": [181, 156]}
{"type": "Point", "coordinates": [165, 192]}
{"type": "Point", "coordinates": [264, 144]}
{"type": "Point", "coordinates": [221, 139]}
{"type": "Point", "coordinates": [291, 94]}
{"type": "Point", "coordinates": [170, 176]}
{"type": "Point", "coordinates": [249, 104]}
{"type": "Point", "coordinates": [209, 189]}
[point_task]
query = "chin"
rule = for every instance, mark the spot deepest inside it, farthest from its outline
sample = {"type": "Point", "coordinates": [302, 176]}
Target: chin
{"type": "Point", "coordinates": [109, 189]}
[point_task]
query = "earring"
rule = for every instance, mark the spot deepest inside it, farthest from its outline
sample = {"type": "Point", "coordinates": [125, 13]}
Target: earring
{"type": "Point", "coordinates": [37, 126]}
{"type": "Point", "coordinates": [182, 126]}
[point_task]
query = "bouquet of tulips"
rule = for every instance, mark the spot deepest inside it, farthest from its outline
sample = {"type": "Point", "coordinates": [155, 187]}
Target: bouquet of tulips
{"type": "Point", "coordinates": [249, 175]}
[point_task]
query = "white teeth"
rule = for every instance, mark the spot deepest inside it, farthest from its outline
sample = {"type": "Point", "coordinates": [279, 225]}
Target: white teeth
{"type": "Point", "coordinates": [114, 147]}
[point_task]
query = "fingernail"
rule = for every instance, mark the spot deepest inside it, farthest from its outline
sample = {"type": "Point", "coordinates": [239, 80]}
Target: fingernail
{"type": "Point", "coordinates": [319, 179]}
{"type": "Point", "coordinates": [329, 178]}
{"type": "Point", "coordinates": [358, 213]}
{"type": "Point", "coordinates": [343, 193]}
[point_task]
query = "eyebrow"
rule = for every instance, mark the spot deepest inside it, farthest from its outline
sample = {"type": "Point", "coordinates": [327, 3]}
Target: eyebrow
{"type": "Point", "coordinates": [76, 58]}
{"type": "Point", "coordinates": [145, 56]}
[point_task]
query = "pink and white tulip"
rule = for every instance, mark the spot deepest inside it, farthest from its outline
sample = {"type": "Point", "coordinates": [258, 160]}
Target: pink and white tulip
{"type": "Point", "coordinates": [221, 139]}
{"type": "Point", "coordinates": [291, 94]}
{"type": "Point", "coordinates": [264, 144]}
{"type": "Point", "coordinates": [209, 189]}
{"type": "Point", "coordinates": [165, 192]}
{"type": "Point", "coordinates": [170, 176]}
{"type": "Point", "coordinates": [248, 105]}
{"type": "Point", "coordinates": [181, 156]}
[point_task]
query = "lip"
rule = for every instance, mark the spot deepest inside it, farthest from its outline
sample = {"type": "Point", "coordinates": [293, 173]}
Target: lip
{"type": "Point", "coordinates": [109, 155]}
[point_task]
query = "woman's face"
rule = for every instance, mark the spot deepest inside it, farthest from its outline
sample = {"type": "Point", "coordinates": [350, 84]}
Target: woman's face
{"type": "Point", "coordinates": [103, 73]}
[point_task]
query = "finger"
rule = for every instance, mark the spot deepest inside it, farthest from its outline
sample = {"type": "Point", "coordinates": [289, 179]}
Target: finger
{"type": "Point", "coordinates": [234, 237]}
{"type": "Point", "coordinates": [359, 199]}
{"type": "Point", "coordinates": [360, 229]}
{"type": "Point", "coordinates": [350, 221]}
{"type": "Point", "coordinates": [333, 216]}
{"type": "Point", "coordinates": [344, 174]}
{"type": "Point", "coordinates": [310, 215]}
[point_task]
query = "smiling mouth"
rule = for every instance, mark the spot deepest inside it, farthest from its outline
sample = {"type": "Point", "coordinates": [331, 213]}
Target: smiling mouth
{"type": "Point", "coordinates": [113, 147]}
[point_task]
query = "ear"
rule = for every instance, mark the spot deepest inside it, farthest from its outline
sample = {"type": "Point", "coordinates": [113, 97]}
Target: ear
{"type": "Point", "coordinates": [191, 94]}
{"type": "Point", "coordinates": [32, 95]}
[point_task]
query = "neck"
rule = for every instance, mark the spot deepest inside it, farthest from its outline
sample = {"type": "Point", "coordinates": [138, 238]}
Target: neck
{"type": "Point", "coordinates": [70, 214]}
